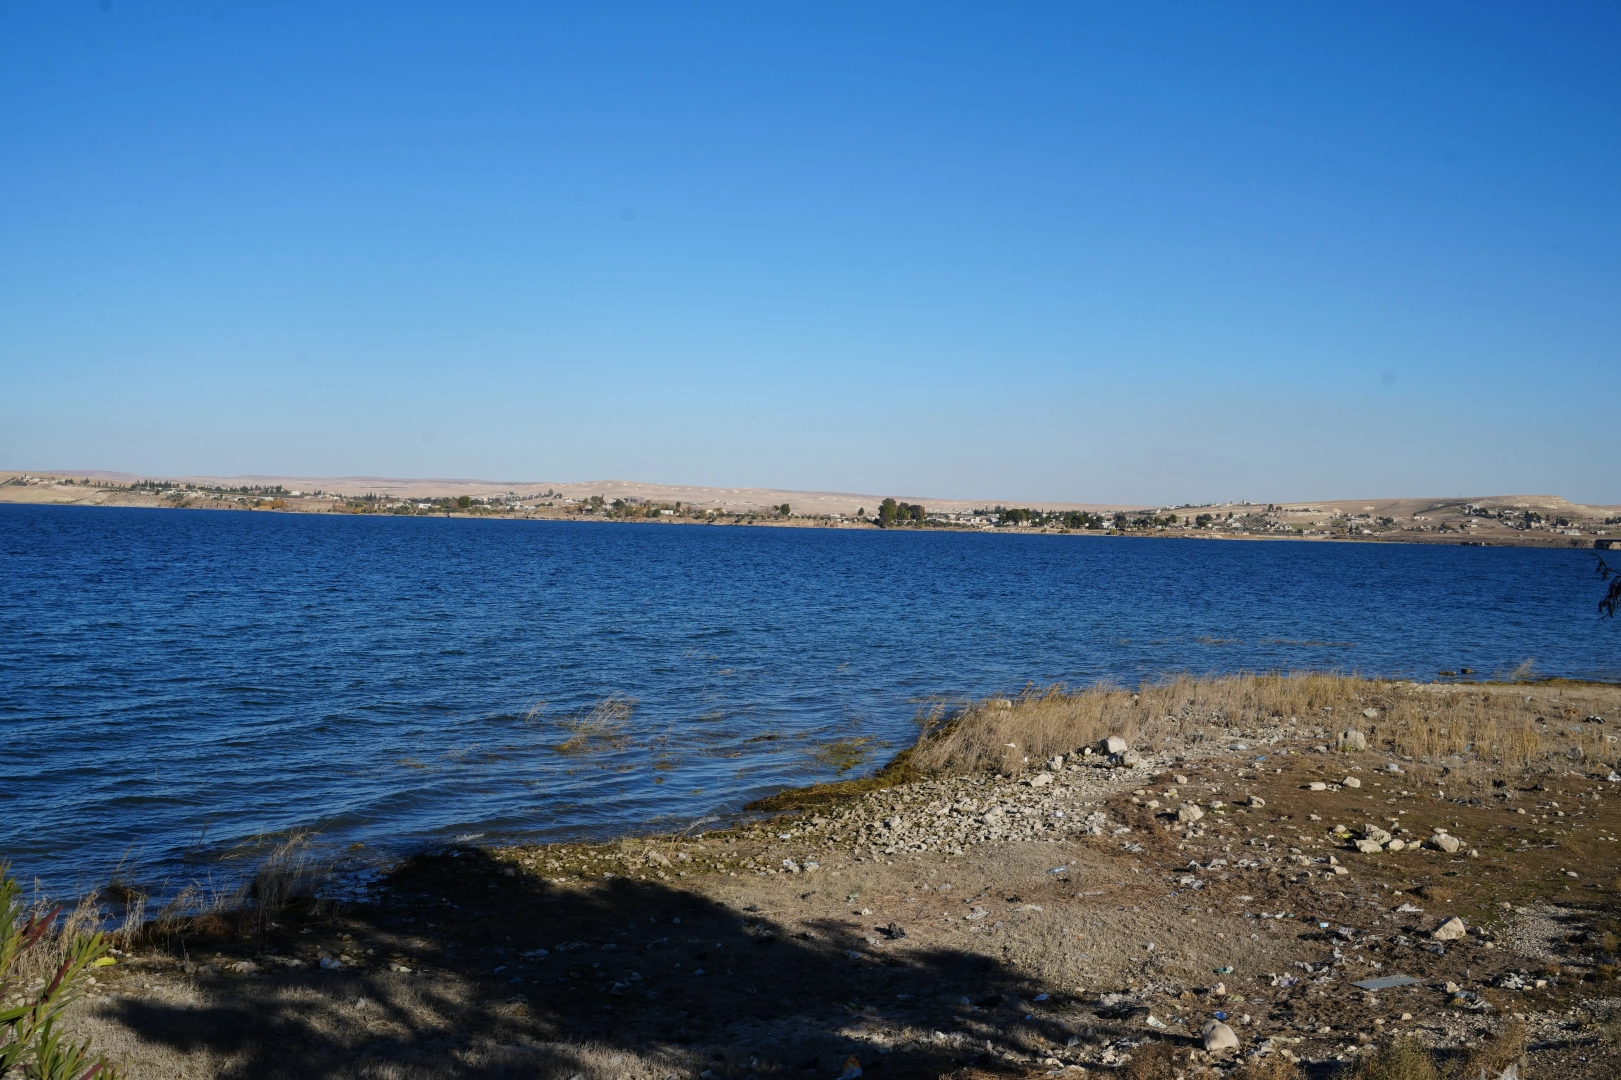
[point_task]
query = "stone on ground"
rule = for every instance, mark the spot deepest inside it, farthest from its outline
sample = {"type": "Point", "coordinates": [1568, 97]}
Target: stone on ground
{"type": "Point", "coordinates": [1451, 930]}
{"type": "Point", "coordinates": [1218, 1036]}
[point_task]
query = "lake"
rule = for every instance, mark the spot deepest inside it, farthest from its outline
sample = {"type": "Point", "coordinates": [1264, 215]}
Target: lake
{"type": "Point", "coordinates": [175, 683]}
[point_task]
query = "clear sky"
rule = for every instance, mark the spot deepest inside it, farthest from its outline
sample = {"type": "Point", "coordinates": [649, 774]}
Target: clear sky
{"type": "Point", "coordinates": [1070, 251]}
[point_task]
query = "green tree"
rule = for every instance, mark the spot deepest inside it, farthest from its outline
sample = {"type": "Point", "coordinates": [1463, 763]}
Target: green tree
{"type": "Point", "coordinates": [888, 511]}
{"type": "Point", "coordinates": [464, 501]}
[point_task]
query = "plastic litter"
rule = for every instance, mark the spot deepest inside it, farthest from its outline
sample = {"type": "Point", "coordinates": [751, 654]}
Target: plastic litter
{"type": "Point", "coordinates": [1387, 983]}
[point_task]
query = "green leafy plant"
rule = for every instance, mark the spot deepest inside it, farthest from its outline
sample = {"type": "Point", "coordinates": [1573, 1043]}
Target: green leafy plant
{"type": "Point", "coordinates": [31, 1005]}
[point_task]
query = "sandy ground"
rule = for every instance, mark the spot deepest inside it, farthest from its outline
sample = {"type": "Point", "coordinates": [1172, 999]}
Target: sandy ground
{"type": "Point", "coordinates": [951, 926]}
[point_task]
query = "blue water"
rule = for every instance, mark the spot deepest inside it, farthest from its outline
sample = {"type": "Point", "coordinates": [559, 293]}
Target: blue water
{"type": "Point", "coordinates": [174, 683]}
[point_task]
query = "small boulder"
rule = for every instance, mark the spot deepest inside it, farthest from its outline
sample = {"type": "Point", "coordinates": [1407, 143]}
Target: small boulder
{"type": "Point", "coordinates": [1373, 832]}
{"type": "Point", "coordinates": [1445, 842]}
{"type": "Point", "coordinates": [1353, 740]}
{"type": "Point", "coordinates": [1451, 930]}
{"type": "Point", "coordinates": [1114, 744]}
{"type": "Point", "coordinates": [1041, 779]}
{"type": "Point", "coordinates": [1317, 785]}
{"type": "Point", "coordinates": [1218, 1036]}
{"type": "Point", "coordinates": [1351, 782]}
{"type": "Point", "coordinates": [1369, 847]}
{"type": "Point", "coordinates": [1256, 801]}
{"type": "Point", "coordinates": [1370, 712]}
{"type": "Point", "coordinates": [1055, 762]}
{"type": "Point", "coordinates": [1396, 845]}
{"type": "Point", "coordinates": [1189, 812]}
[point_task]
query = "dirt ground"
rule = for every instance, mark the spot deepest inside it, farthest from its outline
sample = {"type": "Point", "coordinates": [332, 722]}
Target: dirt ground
{"type": "Point", "coordinates": [922, 934]}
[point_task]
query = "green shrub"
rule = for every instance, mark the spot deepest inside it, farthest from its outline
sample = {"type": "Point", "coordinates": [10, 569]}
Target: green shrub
{"type": "Point", "coordinates": [41, 973]}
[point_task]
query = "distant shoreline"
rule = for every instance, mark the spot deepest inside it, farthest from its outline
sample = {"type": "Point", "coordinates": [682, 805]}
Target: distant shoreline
{"type": "Point", "coordinates": [329, 506]}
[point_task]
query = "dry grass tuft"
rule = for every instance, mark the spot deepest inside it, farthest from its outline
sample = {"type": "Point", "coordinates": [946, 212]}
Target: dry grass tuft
{"type": "Point", "coordinates": [1403, 1059]}
{"type": "Point", "coordinates": [1150, 1061]}
{"type": "Point", "coordinates": [598, 729]}
{"type": "Point", "coordinates": [1504, 726]}
{"type": "Point", "coordinates": [1269, 1067]}
{"type": "Point", "coordinates": [1493, 1056]}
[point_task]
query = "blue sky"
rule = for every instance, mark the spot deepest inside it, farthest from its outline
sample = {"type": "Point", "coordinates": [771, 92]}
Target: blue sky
{"type": "Point", "coordinates": [1124, 252]}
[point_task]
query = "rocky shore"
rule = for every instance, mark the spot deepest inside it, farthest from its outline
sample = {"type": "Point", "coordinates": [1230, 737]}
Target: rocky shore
{"type": "Point", "coordinates": [1223, 902]}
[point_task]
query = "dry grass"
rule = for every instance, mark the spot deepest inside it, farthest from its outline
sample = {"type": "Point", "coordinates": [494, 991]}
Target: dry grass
{"type": "Point", "coordinates": [597, 729]}
{"type": "Point", "coordinates": [1403, 1059]}
{"type": "Point", "coordinates": [1511, 726]}
{"type": "Point", "coordinates": [1150, 1061]}
{"type": "Point", "coordinates": [1493, 1056]}
{"type": "Point", "coordinates": [1269, 1067]}
{"type": "Point", "coordinates": [290, 872]}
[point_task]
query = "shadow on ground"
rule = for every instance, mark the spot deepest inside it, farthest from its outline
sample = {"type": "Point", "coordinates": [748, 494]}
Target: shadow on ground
{"type": "Point", "coordinates": [640, 980]}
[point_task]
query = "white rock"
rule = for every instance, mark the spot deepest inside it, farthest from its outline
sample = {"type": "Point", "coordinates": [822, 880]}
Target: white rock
{"type": "Point", "coordinates": [1189, 812]}
{"type": "Point", "coordinates": [1055, 762]}
{"type": "Point", "coordinates": [1179, 778]}
{"type": "Point", "coordinates": [1451, 930]}
{"type": "Point", "coordinates": [1352, 739]}
{"type": "Point", "coordinates": [1375, 833]}
{"type": "Point", "coordinates": [1369, 847]}
{"type": "Point", "coordinates": [1317, 785]}
{"type": "Point", "coordinates": [1041, 779]}
{"type": "Point", "coordinates": [1396, 845]}
{"type": "Point", "coordinates": [1256, 801]}
{"type": "Point", "coordinates": [1370, 712]}
{"type": "Point", "coordinates": [1218, 1036]}
{"type": "Point", "coordinates": [1446, 843]}
{"type": "Point", "coordinates": [1114, 744]}
{"type": "Point", "coordinates": [1351, 782]}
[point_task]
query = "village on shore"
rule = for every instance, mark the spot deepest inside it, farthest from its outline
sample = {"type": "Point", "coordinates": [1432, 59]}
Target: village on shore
{"type": "Point", "coordinates": [1498, 520]}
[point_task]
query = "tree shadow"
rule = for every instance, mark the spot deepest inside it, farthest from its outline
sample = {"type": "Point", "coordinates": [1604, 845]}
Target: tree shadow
{"type": "Point", "coordinates": [638, 979]}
